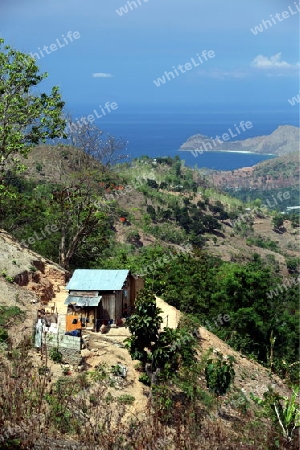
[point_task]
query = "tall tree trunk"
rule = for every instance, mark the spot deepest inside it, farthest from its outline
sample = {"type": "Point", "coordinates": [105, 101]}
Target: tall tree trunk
{"type": "Point", "coordinates": [62, 249]}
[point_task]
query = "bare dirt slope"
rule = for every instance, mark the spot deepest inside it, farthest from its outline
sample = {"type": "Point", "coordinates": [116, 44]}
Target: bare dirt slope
{"type": "Point", "coordinates": [250, 376]}
{"type": "Point", "coordinates": [27, 281]}
{"type": "Point", "coordinates": [231, 246]}
{"type": "Point", "coordinates": [23, 267]}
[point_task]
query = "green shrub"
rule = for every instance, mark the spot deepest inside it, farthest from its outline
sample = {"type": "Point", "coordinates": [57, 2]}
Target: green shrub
{"type": "Point", "coordinates": [292, 264]}
{"type": "Point", "coordinates": [240, 402]}
{"type": "Point", "coordinates": [3, 335]}
{"type": "Point", "coordinates": [169, 233]}
{"type": "Point", "coordinates": [9, 279]}
{"type": "Point", "coordinates": [133, 237]}
{"type": "Point", "coordinates": [55, 355]}
{"type": "Point", "coordinates": [100, 373]}
{"type": "Point", "coordinates": [263, 243]}
{"type": "Point", "coordinates": [144, 378]}
{"type": "Point", "coordinates": [44, 370]}
{"type": "Point", "coordinates": [162, 397]}
{"type": "Point", "coordinates": [219, 374]}
{"type": "Point", "coordinates": [94, 400]}
{"type": "Point", "coordinates": [9, 312]}
{"type": "Point", "coordinates": [126, 399]}
{"type": "Point", "coordinates": [38, 167]}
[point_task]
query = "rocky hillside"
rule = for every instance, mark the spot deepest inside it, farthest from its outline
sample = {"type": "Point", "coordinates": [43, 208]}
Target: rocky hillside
{"type": "Point", "coordinates": [27, 281]}
{"type": "Point", "coordinates": [26, 278]}
{"type": "Point", "coordinates": [277, 173]}
{"type": "Point", "coordinates": [284, 140]}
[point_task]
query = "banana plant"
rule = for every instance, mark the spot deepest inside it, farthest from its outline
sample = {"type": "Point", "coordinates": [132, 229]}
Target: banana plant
{"type": "Point", "coordinates": [288, 414]}
{"type": "Point", "coordinates": [285, 411]}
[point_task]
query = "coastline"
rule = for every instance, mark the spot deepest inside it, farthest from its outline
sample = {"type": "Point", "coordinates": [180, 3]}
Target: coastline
{"type": "Point", "coordinates": [229, 151]}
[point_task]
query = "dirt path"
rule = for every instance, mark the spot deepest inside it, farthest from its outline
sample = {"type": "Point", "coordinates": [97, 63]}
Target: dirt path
{"type": "Point", "coordinates": [170, 314]}
{"type": "Point", "coordinates": [108, 348]}
{"type": "Point", "coordinates": [59, 300]}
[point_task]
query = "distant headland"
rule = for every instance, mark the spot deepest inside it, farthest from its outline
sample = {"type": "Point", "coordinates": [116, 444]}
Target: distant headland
{"type": "Point", "coordinates": [285, 139]}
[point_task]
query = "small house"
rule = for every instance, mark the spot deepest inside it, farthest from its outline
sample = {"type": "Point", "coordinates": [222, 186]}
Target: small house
{"type": "Point", "coordinates": [99, 297]}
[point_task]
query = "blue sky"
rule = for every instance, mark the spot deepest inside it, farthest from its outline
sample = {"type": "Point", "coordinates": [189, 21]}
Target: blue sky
{"type": "Point", "coordinates": [128, 52]}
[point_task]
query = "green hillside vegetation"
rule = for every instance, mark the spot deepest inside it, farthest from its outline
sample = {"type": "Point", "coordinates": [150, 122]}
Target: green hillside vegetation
{"type": "Point", "coordinates": [163, 203]}
{"type": "Point", "coordinates": [266, 181]}
{"type": "Point", "coordinates": [284, 166]}
{"type": "Point", "coordinates": [196, 247]}
{"type": "Point", "coordinates": [269, 195]}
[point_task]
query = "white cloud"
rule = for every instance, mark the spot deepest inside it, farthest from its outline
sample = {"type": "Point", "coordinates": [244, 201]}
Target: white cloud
{"type": "Point", "coordinates": [102, 75]}
{"type": "Point", "coordinates": [274, 62]}
{"type": "Point", "coordinates": [272, 66]}
{"type": "Point", "coordinates": [220, 74]}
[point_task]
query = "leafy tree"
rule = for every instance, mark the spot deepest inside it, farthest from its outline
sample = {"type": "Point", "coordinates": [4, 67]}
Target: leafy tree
{"type": "Point", "coordinates": [242, 291]}
{"type": "Point", "coordinates": [26, 117]}
{"type": "Point", "coordinates": [134, 238]}
{"type": "Point", "coordinates": [257, 203]}
{"type": "Point", "coordinates": [173, 349]}
{"type": "Point", "coordinates": [216, 208]}
{"type": "Point", "coordinates": [78, 216]}
{"type": "Point", "coordinates": [165, 350]}
{"type": "Point", "coordinates": [144, 326]}
{"type": "Point", "coordinates": [293, 264]}
{"type": "Point", "coordinates": [277, 221]}
{"type": "Point", "coordinates": [177, 168]}
{"type": "Point", "coordinates": [189, 281]}
{"type": "Point", "coordinates": [152, 213]}
{"type": "Point", "coordinates": [152, 183]}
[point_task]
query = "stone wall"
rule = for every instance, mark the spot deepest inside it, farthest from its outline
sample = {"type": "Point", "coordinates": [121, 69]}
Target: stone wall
{"type": "Point", "coordinates": [69, 346]}
{"type": "Point", "coordinates": [71, 356]}
{"type": "Point", "coordinates": [61, 340]}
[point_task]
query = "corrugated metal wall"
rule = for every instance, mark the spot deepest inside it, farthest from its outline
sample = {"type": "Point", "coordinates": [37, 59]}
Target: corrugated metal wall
{"type": "Point", "coordinates": [109, 306]}
{"type": "Point", "coordinates": [119, 305]}
{"type": "Point", "coordinates": [84, 293]}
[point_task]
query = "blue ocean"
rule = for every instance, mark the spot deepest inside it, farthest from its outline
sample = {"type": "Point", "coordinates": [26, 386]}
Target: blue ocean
{"type": "Point", "coordinates": [160, 131]}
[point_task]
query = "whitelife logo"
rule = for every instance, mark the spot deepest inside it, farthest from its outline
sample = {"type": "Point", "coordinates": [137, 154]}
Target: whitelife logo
{"type": "Point", "coordinates": [53, 47]}
{"type": "Point", "coordinates": [125, 10]}
{"type": "Point", "coordinates": [225, 137]}
{"type": "Point", "coordinates": [294, 100]}
{"type": "Point", "coordinates": [187, 66]}
{"type": "Point", "coordinates": [75, 126]}
{"type": "Point", "coordinates": [289, 283]}
{"type": "Point", "coordinates": [279, 17]}
{"type": "Point", "coordinates": [49, 229]}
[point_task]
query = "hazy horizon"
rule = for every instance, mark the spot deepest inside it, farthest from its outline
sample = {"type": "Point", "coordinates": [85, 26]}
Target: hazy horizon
{"type": "Point", "coordinates": [209, 53]}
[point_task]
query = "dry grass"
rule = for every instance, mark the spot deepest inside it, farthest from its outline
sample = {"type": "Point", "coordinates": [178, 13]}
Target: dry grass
{"type": "Point", "coordinates": [36, 413]}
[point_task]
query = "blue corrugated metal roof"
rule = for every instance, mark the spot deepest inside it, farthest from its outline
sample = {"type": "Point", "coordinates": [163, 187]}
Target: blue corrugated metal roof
{"type": "Point", "coordinates": [97, 280]}
{"type": "Point", "coordinates": [83, 301]}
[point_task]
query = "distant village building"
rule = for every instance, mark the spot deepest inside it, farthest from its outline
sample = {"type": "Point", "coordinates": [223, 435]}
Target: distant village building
{"type": "Point", "coordinates": [100, 297]}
